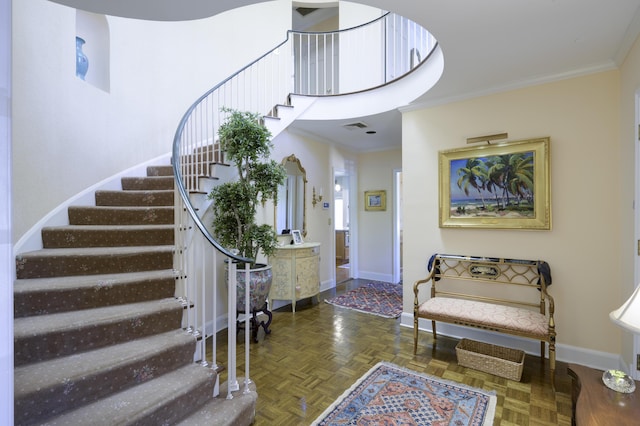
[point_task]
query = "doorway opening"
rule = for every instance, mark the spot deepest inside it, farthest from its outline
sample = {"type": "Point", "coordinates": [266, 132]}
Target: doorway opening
{"type": "Point", "coordinates": [341, 196]}
{"type": "Point", "coordinates": [397, 226]}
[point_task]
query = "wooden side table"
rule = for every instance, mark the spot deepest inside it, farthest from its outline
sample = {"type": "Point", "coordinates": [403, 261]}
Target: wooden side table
{"type": "Point", "coordinates": [594, 404]}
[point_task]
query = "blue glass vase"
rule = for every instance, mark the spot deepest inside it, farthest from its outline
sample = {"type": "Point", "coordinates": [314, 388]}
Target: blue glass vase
{"type": "Point", "coordinates": [82, 62]}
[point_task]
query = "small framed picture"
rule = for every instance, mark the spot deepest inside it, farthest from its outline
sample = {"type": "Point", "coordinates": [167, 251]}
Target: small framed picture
{"type": "Point", "coordinates": [297, 236]}
{"type": "Point", "coordinates": [375, 200]}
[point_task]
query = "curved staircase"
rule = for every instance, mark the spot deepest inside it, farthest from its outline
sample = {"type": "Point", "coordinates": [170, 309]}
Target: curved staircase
{"type": "Point", "coordinates": [98, 332]}
{"type": "Point", "coordinates": [104, 332]}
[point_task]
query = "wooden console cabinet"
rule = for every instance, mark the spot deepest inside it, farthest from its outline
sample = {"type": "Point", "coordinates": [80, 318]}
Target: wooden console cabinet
{"type": "Point", "coordinates": [594, 404]}
{"type": "Point", "coordinates": [296, 272]}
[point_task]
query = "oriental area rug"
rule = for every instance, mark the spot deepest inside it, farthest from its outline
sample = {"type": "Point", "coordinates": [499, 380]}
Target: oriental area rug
{"type": "Point", "coordinates": [378, 298]}
{"type": "Point", "coordinates": [391, 395]}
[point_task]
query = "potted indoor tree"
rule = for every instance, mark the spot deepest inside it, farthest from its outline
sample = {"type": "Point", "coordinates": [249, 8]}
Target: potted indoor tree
{"type": "Point", "coordinates": [247, 145]}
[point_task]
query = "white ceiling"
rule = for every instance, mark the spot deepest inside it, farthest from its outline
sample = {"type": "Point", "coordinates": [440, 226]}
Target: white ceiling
{"type": "Point", "coordinates": [496, 45]}
{"type": "Point", "coordinates": [488, 46]}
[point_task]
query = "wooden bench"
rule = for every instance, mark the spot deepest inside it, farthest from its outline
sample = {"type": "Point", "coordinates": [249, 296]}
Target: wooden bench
{"type": "Point", "coordinates": [502, 295]}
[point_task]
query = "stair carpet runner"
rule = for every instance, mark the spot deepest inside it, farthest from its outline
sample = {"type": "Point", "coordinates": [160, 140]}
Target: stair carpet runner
{"type": "Point", "coordinates": [97, 330]}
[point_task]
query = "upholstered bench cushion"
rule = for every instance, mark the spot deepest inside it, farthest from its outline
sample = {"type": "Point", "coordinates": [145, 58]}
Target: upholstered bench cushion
{"type": "Point", "coordinates": [483, 314]}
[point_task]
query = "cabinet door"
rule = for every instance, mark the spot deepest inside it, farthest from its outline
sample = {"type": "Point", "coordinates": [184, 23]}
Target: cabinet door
{"type": "Point", "coordinates": [308, 276]}
{"type": "Point", "coordinates": [281, 286]}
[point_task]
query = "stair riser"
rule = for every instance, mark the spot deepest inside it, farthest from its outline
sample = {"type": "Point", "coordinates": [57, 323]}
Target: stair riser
{"type": "Point", "coordinates": [82, 338]}
{"type": "Point", "coordinates": [87, 264]}
{"type": "Point", "coordinates": [206, 169]}
{"type": "Point", "coordinates": [211, 152]}
{"type": "Point", "coordinates": [134, 198]}
{"type": "Point", "coordinates": [71, 238]}
{"type": "Point", "coordinates": [69, 395]}
{"type": "Point", "coordinates": [147, 183]}
{"type": "Point", "coordinates": [121, 216]}
{"type": "Point", "coordinates": [103, 293]}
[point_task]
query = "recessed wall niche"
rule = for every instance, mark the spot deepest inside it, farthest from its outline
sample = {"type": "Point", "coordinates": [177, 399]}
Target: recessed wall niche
{"type": "Point", "coordinates": [93, 29]}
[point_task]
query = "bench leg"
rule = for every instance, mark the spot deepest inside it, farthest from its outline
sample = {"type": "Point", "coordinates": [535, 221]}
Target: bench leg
{"type": "Point", "coordinates": [542, 348]}
{"type": "Point", "coordinates": [415, 334]}
{"type": "Point", "coordinates": [552, 363]}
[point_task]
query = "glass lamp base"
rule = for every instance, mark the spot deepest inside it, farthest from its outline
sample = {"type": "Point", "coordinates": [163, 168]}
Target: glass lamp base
{"type": "Point", "coordinates": [618, 381]}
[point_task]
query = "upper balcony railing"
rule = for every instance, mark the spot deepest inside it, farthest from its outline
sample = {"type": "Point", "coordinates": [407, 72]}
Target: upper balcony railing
{"type": "Point", "coordinates": [313, 64]}
{"type": "Point", "coordinates": [359, 58]}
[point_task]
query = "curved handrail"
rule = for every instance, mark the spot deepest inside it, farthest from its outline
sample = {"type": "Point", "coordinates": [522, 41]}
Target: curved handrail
{"type": "Point", "coordinates": [195, 140]}
{"type": "Point", "coordinates": [176, 155]}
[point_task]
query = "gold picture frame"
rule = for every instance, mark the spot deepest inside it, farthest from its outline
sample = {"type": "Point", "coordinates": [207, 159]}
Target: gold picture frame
{"type": "Point", "coordinates": [502, 186]}
{"type": "Point", "coordinates": [375, 200]}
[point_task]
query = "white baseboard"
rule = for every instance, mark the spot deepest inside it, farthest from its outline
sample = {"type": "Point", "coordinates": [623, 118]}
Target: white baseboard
{"type": "Point", "coordinates": [375, 276]}
{"type": "Point", "coordinates": [565, 353]}
{"type": "Point", "coordinates": [327, 285]}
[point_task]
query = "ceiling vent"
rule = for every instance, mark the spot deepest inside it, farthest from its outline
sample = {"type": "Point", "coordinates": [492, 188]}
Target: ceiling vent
{"type": "Point", "coordinates": [356, 125]}
{"type": "Point", "coordinates": [304, 11]}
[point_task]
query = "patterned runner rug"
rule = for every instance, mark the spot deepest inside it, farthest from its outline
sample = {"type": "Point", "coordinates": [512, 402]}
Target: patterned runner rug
{"type": "Point", "coordinates": [391, 395]}
{"type": "Point", "coordinates": [382, 299]}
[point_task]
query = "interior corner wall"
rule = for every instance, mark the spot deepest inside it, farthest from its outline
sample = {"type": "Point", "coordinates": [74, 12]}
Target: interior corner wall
{"type": "Point", "coordinates": [581, 116]}
{"type": "Point", "coordinates": [375, 239]}
{"type": "Point", "coordinates": [68, 135]}
{"type": "Point", "coordinates": [628, 157]}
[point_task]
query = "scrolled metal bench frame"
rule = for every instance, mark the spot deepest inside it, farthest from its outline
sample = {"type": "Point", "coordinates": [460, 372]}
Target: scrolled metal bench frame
{"type": "Point", "coordinates": [490, 270]}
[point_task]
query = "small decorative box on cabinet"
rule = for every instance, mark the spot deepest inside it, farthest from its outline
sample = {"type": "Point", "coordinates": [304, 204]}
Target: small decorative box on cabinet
{"type": "Point", "coordinates": [296, 272]}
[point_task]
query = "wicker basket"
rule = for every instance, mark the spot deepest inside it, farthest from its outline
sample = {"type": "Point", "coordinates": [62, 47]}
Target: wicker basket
{"type": "Point", "coordinates": [497, 360]}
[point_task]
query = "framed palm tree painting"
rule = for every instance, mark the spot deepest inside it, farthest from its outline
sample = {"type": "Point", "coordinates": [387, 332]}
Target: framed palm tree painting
{"type": "Point", "coordinates": [502, 186]}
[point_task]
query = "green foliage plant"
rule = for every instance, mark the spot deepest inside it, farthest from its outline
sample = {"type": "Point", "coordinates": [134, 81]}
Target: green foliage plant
{"type": "Point", "coordinates": [247, 144]}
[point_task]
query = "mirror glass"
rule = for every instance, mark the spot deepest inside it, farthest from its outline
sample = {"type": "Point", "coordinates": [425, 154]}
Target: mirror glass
{"type": "Point", "coordinates": [291, 208]}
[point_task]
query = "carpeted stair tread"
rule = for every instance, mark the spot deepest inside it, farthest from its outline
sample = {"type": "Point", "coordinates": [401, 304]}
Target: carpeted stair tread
{"type": "Point", "coordinates": [161, 401]}
{"type": "Point", "coordinates": [40, 296]}
{"type": "Point", "coordinates": [160, 171]}
{"type": "Point", "coordinates": [92, 260]}
{"type": "Point", "coordinates": [147, 182]}
{"type": "Point", "coordinates": [107, 235]}
{"type": "Point", "coordinates": [120, 215]}
{"type": "Point", "coordinates": [135, 198]}
{"type": "Point", "coordinates": [50, 387]}
{"type": "Point", "coordinates": [239, 411]}
{"type": "Point", "coordinates": [39, 338]}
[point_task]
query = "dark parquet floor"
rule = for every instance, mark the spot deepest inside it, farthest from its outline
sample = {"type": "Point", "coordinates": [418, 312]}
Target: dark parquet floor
{"type": "Point", "coordinates": [311, 357]}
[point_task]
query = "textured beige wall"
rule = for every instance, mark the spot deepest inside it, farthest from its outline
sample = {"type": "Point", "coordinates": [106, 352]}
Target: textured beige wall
{"type": "Point", "coordinates": [581, 116]}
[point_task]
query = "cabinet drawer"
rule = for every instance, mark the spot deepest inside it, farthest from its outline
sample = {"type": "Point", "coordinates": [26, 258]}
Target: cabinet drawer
{"type": "Point", "coordinates": [297, 252]}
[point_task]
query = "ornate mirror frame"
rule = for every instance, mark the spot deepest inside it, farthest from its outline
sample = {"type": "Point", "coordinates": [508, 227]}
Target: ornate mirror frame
{"type": "Point", "coordinates": [294, 191]}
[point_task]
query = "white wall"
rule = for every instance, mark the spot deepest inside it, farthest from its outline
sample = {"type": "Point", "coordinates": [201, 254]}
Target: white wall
{"type": "Point", "coordinates": [354, 54]}
{"type": "Point", "coordinates": [70, 134]}
{"type": "Point", "coordinates": [6, 252]}
{"type": "Point", "coordinates": [581, 116]}
{"type": "Point", "coordinates": [375, 240]}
